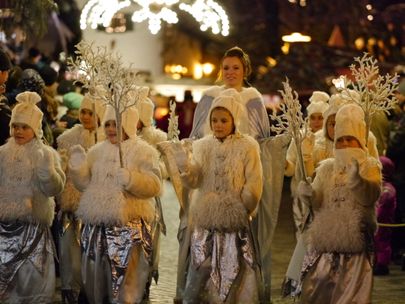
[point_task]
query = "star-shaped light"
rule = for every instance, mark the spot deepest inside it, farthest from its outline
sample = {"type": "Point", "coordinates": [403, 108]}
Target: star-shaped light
{"type": "Point", "coordinates": [155, 12]}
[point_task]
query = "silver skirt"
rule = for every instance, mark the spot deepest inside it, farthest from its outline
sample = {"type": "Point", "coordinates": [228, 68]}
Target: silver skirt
{"type": "Point", "coordinates": [337, 278]}
{"type": "Point", "coordinates": [27, 268]}
{"type": "Point", "coordinates": [223, 266]}
{"type": "Point", "coordinates": [116, 261]}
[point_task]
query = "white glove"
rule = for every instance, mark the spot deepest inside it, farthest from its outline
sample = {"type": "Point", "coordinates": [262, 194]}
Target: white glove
{"type": "Point", "coordinates": [181, 159]}
{"type": "Point", "coordinates": [305, 191]}
{"type": "Point", "coordinates": [353, 172]}
{"type": "Point", "coordinates": [44, 164]}
{"type": "Point", "coordinates": [123, 177]}
{"type": "Point", "coordinates": [77, 156]}
{"type": "Point", "coordinates": [307, 146]}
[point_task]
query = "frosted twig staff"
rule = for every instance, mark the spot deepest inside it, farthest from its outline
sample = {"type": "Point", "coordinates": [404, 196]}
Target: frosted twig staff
{"type": "Point", "coordinates": [104, 74]}
{"type": "Point", "coordinates": [374, 91]}
{"type": "Point", "coordinates": [173, 129]}
{"type": "Point", "coordinates": [290, 120]}
{"type": "Point", "coordinates": [88, 64]}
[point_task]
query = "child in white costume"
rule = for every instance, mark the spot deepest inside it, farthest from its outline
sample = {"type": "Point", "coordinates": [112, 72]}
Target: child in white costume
{"type": "Point", "coordinates": [337, 267]}
{"type": "Point", "coordinates": [226, 172]}
{"type": "Point", "coordinates": [117, 210]}
{"type": "Point", "coordinates": [149, 133]}
{"type": "Point", "coordinates": [324, 139]}
{"type": "Point", "coordinates": [30, 175]}
{"type": "Point", "coordinates": [86, 135]}
{"type": "Point", "coordinates": [318, 104]}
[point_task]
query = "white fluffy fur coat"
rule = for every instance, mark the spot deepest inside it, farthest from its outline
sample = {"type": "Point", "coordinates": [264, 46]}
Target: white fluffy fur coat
{"type": "Point", "coordinates": [69, 199]}
{"type": "Point", "coordinates": [103, 200]}
{"type": "Point", "coordinates": [343, 211]}
{"type": "Point", "coordinates": [228, 178]}
{"type": "Point", "coordinates": [153, 136]}
{"type": "Point", "coordinates": [24, 196]}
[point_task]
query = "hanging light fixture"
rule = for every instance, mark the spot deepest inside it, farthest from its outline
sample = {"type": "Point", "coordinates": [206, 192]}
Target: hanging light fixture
{"type": "Point", "coordinates": [296, 37]}
{"type": "Point", "coordinates": [208, 13]}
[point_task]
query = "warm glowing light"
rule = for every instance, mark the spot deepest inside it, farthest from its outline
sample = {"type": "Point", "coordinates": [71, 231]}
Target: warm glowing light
{"type": "Point", "coordinates": [301, 2]}
{"type": "Point", "coordinates": [339, 83]}
{"type": "Point", "coordinates": [271, 61]}
{"type": "Point", "coordinates": [176, 76]}
{"type": "Point", "coordinates": [208, 13]}
{"type": "Point", "coordinates": [161, 112]}
{"type": "Point", "coordinates": [369, 7]}
{"type": "Point", "coordinates": [208, 68]}
{"type": "Point", "coordinates": [198, 71]}
{"type": "Point", "coordinates": [285, 48]}
{"type": "Point", "coordinates": [359, 43]}
{"type": "Point", "coordinates": [296, 37]}
{"type": "Point", "coordinates": [370, 17]}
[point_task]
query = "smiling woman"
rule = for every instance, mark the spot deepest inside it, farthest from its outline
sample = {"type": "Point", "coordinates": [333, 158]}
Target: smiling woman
{"type": "Point", "coordinates": [234, 71]}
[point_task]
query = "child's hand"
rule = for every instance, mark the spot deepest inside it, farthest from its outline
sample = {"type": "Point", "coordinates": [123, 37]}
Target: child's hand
{"type": "Point", "coordinates": [123, 177]}
{"type": "Point", "coordinates": [353, 172]}
{"type": "Point", "coordinates": [44, 164]}
{"type": "Point", "coordinates": [77, 156]}
{"type": "Point", "coordinates": [181, 159]}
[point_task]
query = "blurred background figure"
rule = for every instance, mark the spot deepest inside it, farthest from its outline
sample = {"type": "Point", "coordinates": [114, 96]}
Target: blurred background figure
{"type": "Point", "coordinates": [185, 111]}
{"type": "Point", "coordinates": [385, 211]}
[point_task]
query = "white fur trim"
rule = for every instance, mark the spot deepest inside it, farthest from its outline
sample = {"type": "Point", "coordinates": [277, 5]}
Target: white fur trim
{"type": "Point", "coordinates": [224, 213]}
{"type": "Point", "coordinates": [104, 201]}
{"type": "Point", "coordinates": [336, 229]}
{"type": "Point", "coordinates": [153, 136]}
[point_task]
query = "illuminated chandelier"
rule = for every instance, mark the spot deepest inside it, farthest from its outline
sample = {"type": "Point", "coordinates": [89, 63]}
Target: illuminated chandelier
{"type": "Point", "coordinates": [208, 13]}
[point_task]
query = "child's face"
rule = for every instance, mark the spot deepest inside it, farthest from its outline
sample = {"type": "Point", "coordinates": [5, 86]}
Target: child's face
{"type": "Point", "coordinates": [87, 119]}
{"type": "Point", "coordinates": [347, 142]}
{"type": "Point", "coordinates": [315, 121]}
{"type": "Point", "coordinates": [221, 123]}
{"type": "Point", "coordinates": [330, 126]}
{"type": "Point", "coordinates": [110, 129]}
{"type": "Point", "coordinates": [22, 133]}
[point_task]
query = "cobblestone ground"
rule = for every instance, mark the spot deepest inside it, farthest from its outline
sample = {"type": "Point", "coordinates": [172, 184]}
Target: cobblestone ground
{"type": "Point", "coordinates": [387, 290]}
{"type": "Point", "coordinates": [165, 290]}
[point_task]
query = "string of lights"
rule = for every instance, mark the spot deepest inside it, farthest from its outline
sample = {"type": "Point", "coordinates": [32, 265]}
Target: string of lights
{"type": "Point", "coordinates": [208, 13]}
